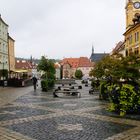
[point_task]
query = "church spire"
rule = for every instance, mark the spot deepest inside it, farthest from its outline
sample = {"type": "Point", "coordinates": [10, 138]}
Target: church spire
{"type": "Point", "coordinates": [92, 49]}
{"type": "Point", "coordinates": [31, 59]}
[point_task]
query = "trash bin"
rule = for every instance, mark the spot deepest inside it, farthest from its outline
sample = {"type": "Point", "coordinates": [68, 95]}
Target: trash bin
{"type": "Point", "coordinates": [5, 83]}
{"type": "Point", "coordinates": [23, 83]}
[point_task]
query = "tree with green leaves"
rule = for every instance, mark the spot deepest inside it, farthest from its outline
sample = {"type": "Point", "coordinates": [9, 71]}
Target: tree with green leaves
{"type": "Point", "coordinates": [124, 96]}
{"type": "Point", "coordinates": [47, 66]}
{"type": "Point", "coordinates": [78, 74]}
{"type": "Point", "coordinates": [118, 68]}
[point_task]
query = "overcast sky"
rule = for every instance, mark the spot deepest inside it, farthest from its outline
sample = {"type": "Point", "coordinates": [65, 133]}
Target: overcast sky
{"type": "Point", "coordinates": [63, 28]}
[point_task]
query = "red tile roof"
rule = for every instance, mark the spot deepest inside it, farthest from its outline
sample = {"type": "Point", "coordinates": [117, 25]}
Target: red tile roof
{"type": "Point", "coordinates": [84, 62]}
{"type": "Point", "coordinates": [56, 65]}
{"type": "Point", "coordinates": [23, 64]}
{"type": "Point", "coordinates": [77, 62]}
{"type": "Point", "coordinates": [72, 61]}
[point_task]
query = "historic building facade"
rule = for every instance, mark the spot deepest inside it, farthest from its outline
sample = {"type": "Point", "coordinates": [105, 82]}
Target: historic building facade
{"type": "Point", "coordinates": [4, 62]}
{"type": "Point", "coordinates": [7, 51]}
{"type": "Point", "coordinates": [119, 49]}
{"type": "Point", "coordinates": [57, 70]}
{"type": "Point", "coordinates": [95, 57]}
{"type": "Point", "coordinates": [70, 65]}
{"type": "Point", "coordinates": [132, 34]}
{"type": "Point", "coordinates": [132, 9]}
{"type": "Point", "coordinates": [11, 51]}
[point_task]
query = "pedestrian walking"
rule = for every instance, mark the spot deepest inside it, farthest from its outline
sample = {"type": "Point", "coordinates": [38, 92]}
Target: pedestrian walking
{"type": "Point", "coordinates": [34, 79]}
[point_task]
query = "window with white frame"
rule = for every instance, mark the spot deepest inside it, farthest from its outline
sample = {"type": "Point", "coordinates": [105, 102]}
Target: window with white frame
{"type": "Point", "coordinates": [0, 47]}
{"type": "Point", "coordinates": [130, 39]}
{"type": "Point", "coordinates": [137, 51]}
{"type": "Point", "coordinates": [136, 36]}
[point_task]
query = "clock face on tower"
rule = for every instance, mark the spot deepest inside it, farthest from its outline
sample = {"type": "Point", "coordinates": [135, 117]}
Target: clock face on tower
{"type": "Point", "coordinates": [137, 5]}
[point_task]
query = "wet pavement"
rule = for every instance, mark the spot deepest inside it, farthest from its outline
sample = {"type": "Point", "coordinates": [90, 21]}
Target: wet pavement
{"type": "Point", "coordinates": [28, 115]}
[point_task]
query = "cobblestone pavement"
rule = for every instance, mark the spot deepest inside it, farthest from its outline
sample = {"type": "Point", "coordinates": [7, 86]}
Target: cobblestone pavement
{"type": "Point", "coordinates": [9, 94]}
{"type": "Point", "coordinates": [28, 115]}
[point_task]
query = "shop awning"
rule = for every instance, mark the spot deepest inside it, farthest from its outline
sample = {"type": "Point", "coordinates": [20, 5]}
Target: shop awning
{"type": "Point", "coordinates": [21, 71]}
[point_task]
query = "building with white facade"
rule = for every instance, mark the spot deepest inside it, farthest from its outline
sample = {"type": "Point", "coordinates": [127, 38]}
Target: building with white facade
{"type": "Point", "coordinates": [4, 63]}
{"type": "Point", "coordinates": [70, 65]}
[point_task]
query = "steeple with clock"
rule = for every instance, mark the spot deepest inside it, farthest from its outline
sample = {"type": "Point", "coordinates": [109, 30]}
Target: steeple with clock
{"type": "Point", "coordinates": [132, 8]}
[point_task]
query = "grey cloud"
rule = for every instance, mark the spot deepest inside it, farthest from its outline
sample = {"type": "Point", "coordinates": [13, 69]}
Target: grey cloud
{"type": "Point", "coordinates": [64, 28]}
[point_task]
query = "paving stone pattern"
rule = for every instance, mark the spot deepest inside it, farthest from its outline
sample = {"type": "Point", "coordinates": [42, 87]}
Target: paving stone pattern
{"type": "Point", "coordinates": [39, 116]}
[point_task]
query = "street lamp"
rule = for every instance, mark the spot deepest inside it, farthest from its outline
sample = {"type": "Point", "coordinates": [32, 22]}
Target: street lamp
{"type": "Point", "coordinates": [61, 71]}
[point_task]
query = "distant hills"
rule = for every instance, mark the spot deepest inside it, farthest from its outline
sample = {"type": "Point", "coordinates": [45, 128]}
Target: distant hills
{"type": "Point", "coordinates": [35, 60]}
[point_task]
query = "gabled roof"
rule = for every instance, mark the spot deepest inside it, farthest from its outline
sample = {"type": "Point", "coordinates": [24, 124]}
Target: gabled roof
{"type": "Point", "coordinates": [77, 62]}
{"type": "Point", "coordinates": [23, 64]}
{"type": "Point", "coordinates": [3, 21]}
{"type": "Point", "coordinates": [72, 61]}
{"type": "Point", "coordinates": [57, 65]}
{"type": "Point", "coordinates": [84, 62]}
{"type": "Point", "coordinates": [95, 57]}
{"type": "Point", "coordinates": [120, 46]}
{"type": "Point", "coordinates": [9, 37]}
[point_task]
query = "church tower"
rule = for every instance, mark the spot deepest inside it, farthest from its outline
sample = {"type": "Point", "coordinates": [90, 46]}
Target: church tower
{"type": "Point", "coordinates": [132, 9]}
{"type": "Point", "coordinates": [92, 49]}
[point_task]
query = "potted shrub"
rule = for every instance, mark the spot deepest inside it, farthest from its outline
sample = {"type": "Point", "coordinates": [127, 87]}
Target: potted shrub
{"type": "Point", "coordinates": [44, 85]}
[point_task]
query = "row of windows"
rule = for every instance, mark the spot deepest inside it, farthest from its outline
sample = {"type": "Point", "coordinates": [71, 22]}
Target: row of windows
{"type": "Point", "coordinates": [136, 38]}
{"type": "Point", "coordinates": [130, 51]}
{"type": "Point", "coordinates": [3, 35]}
{"type": "Point", "coordinates": [85, 68]}
{"type": "Point", "coordinates": [3, 31]}
{"type": "Point", "coordinates": [3, 58]}
{"type": "Point", "coordinates": [3, 47]}
{"type": "Point", "coordinates": [3, 26]}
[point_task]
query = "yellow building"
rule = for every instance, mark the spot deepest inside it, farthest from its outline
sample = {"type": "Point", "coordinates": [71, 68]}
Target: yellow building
{"type": "Point", "coordinates": [132, 9]}
{"type": "Point", "coordinates": [11, 53]}
{"type": "Point", "coordinates": [132, 34]}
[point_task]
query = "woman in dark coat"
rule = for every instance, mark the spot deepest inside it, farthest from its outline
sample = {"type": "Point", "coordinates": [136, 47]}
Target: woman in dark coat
{"type": "Point", "coordinates": [34, 79]}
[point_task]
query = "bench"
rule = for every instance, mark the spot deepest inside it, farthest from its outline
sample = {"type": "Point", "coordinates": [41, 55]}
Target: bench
{"type": "Point", "coordinates": [70, 87]}
{"type": "Point", "coordinates": [86, 85]}
{"type": "Point", "coordinates": [67, 91]}
{"type": "Point", "coordinates": [92, 90]}
{"type": "Point", "coordinates": [65, 81]}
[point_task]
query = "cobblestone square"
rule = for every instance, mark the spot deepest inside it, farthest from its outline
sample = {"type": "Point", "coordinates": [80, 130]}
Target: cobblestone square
{"type": "Point", "coordinates": [106, 112]}
{"type": "Point", "coordinates": [10, 113]}
{"type": "Point", "coordinates": [76, 128]}
{"type": "Point", "coordinates": [40, 116]}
